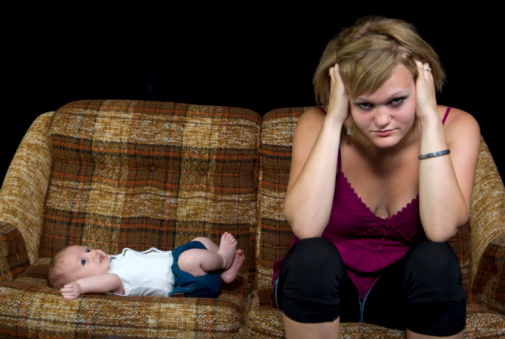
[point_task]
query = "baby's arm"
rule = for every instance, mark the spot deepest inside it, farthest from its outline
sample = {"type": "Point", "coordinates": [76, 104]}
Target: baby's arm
{"type": "Point", "coordinates": [102, 283]}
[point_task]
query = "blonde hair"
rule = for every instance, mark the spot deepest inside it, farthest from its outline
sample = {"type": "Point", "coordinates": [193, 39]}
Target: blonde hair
{"type": "Point", "coordinates": [56, 276]}
{"type": "Point", "coordinates": [367, 53]}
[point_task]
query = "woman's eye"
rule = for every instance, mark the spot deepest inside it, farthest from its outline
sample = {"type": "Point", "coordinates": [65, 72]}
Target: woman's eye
{"type": "Point", "coordinates": [364, 105]}
{"type": "Point", "coordinates": [83, 262]}
{"type": "Point", "coordinates": [397, 101]}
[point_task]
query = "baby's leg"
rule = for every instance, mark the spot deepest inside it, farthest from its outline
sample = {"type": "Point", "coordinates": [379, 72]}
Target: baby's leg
{"type": "Point", "coordinates": [229, 275]}
{"type": "Point", "coordinates": [209, 244]}
{"type": "Point", "coordinates": [198, 261]}
{"type": "Point", "coordinates": [227, 248]}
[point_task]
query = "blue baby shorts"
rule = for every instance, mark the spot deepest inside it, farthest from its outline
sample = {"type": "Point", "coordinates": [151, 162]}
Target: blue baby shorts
{"type": "Point", "coordinates": [205, 286]}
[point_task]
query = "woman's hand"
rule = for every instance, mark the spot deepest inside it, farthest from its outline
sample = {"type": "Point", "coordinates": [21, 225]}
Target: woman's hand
{"type": "Point", "coordinates": [425, 91]}
{"type": "Point", "coordinates": [338, 104]}
{"type": "Point", "coordinates": [71, 291]}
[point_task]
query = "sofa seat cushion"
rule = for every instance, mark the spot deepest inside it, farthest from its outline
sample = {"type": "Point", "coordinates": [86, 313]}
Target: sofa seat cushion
{"type": "Point", "coordinates": [32, 309]}
{"type": "Point", "coordinates": [265, 320]}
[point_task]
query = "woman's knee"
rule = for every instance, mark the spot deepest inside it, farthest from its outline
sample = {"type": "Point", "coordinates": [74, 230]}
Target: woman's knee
{"type": "Point", "coordinates": [432, 274]}
{"type": "Point", "coordinates": [436, 300]}
{"type": "Point", "coordinates": [314, 256]}
{"type": "Point", "coordinates": [309, 281]}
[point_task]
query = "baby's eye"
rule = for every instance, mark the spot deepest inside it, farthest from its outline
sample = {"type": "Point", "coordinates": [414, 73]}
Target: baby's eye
{"type": "Point", "coordinates": [88, 250]}
{"type": "Point", "coordinates": [83, 262]}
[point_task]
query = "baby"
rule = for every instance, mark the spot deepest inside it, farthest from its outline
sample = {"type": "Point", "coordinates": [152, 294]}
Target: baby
{"type": "Point", "coordinates": [194, 269]}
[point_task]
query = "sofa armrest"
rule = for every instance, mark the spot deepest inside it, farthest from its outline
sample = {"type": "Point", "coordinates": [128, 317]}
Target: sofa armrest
{"type": "Point", "coordinates": [13, 254]}
{"type": "Point", "coordinates": [489, 282]}
{"type": "Point", "coordinates": [25, 185]}
{"type": "Point", "coordinates": [487, 229]}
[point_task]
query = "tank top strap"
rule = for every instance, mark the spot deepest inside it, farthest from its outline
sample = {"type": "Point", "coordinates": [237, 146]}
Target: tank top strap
{"type": "Point", "coordinates": [446, 115]}
{"type": "Point", "coordinates": [322, 109]}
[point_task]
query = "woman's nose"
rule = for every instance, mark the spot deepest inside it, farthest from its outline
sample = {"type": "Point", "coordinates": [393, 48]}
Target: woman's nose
{"type": "Point", "coordinates": [382, 116]}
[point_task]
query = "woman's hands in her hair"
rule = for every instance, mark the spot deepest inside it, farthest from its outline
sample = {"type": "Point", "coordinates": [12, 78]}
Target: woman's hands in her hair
{"type": "Point", "coordinates": [425, 91]}
{"type": "Point", "coordinates": [338, 104]}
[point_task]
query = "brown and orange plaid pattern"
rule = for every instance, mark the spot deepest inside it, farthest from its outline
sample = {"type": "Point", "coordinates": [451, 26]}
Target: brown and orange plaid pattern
{"type": "Point", "coordinates": [114, 173]}
{"type": "Point", "coordinates": [149, 174]}
{"type": "Point", "coordinates": [141, 175]}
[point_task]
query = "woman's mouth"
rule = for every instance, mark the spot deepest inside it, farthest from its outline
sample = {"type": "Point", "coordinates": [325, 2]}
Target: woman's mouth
{"type": "Point", "coordinates": [384, 133]}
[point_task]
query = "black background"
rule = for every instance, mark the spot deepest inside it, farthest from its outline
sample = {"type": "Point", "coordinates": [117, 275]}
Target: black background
{"type": "Point", "coordinates": [255, 57]}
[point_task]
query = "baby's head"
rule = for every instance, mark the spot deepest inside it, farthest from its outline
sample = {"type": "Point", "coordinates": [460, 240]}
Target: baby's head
{"type": "Point", "coordinates": [76, 262]}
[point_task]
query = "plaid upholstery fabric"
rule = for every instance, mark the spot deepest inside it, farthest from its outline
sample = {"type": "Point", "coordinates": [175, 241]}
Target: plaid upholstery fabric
{"type": "Point", "coordinates": [274, 236]}
{"type": "Point", "coordinates": [118, 173]}
{"type": "Point", "coordinates": [140, 174]}
{"type": "Point", "coordinates": [25, 185]}
{"type": "Point", "coordinates": [274, 233]}
{"type": "Point", "coordinates": [487, 221]}
{"type": "Point", "coordinates": [13, 255]}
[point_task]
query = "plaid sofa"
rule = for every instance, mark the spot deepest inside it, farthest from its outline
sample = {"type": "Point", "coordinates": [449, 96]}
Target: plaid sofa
{"type": "Point", "coordinates": [116, 173]}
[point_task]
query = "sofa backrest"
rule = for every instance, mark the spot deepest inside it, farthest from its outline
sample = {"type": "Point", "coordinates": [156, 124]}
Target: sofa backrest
{"type": "Point", "coordinates": [274, 233]}
{"type": "Point", "coordinates": [150, 174]}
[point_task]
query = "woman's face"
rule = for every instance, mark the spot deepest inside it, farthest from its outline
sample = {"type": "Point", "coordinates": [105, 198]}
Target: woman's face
{"type": "Point", "coordinates": [387, 115]}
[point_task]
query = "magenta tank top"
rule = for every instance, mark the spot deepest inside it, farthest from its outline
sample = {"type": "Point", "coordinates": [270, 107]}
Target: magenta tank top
{"type": "Point", "coordinates": [367, 242]}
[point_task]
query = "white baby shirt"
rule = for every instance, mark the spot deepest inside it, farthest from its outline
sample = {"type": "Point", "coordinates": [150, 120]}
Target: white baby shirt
{"type": "Point", "coordinates": [144, 273]}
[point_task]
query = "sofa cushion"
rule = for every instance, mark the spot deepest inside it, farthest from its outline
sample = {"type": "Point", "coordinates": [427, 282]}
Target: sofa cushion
{"type": "Point", "coordinates": [30, 309]}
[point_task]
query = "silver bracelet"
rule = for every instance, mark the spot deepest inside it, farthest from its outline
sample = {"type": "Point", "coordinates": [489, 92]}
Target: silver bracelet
{"type": "Point", "coordinates": [434, 154]}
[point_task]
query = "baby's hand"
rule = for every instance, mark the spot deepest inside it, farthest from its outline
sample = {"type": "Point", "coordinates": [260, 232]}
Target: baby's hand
{"type": "Point", "coordinates": [71, 291]}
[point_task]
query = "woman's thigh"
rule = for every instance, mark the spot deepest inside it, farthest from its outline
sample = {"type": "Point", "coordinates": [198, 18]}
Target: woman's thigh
{"type": "Point", "coordinates": [422, 291]}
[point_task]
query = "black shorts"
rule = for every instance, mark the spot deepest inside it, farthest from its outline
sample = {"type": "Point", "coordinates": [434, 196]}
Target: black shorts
{"type": "Point", "coordinates": [423, 292]}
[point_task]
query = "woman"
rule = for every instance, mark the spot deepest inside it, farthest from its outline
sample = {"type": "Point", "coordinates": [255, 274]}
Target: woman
{"type": "Point", "coordinates": [381, 178]}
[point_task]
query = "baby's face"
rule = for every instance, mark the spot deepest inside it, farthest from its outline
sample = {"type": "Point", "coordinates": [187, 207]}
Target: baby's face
{"type": "Point", "coordinates": [81, 262]}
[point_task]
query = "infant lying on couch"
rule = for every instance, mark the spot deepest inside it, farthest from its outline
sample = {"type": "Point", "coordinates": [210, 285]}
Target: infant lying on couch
{"type": "Point", "coordinates": [194, 269]}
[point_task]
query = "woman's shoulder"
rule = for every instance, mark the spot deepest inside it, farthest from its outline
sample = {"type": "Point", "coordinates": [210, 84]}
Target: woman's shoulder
{"type": "Point", "coordinates": [455, 116]}
{"type": "Point", "coordinates": [312, 116]}
{"type": "Point", "coordinates": [315, 111]}
{"type": "Point", "coordinates": [308, 126]}
{"type": "Point", "coordinates": [459, 123]}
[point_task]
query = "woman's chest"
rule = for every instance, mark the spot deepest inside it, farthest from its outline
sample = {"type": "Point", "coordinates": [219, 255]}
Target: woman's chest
{"type": "Point", "coordinates": [352, 217]}
{"type": "Point", "coordinates": [385, 189]}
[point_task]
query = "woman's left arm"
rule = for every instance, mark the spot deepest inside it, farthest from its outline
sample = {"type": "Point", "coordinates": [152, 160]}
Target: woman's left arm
{"type": "Point", "coordinates": [445, 182]}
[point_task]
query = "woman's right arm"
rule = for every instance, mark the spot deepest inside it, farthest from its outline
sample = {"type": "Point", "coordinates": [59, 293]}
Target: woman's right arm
{"type": "Point", "coordinates": [311, 186]}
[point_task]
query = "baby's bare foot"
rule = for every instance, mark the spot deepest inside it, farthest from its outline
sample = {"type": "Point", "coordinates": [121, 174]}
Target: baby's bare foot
{"type": "Point", "coordinates": [229, 275]}
{"type": "Point", "coordinates": [227, 249]}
